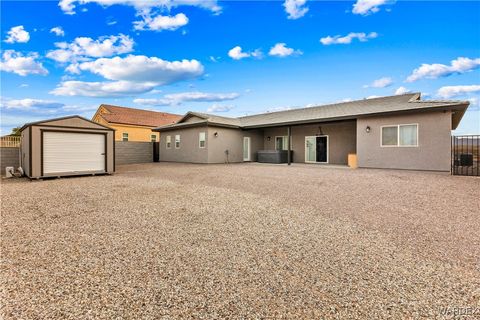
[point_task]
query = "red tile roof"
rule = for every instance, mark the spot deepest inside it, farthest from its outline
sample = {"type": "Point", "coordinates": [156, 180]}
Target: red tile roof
{"type": "Point", "coordinates": [139, 117]}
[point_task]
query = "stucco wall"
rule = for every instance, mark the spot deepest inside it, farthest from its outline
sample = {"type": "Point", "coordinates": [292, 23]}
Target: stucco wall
{"type": "Point", "coordinates": [129, 152]}
{"type": "Point", "coordinates": [341, 139]}
{"type": "Point", "coordinates": [432, 153]}
{"type": "Point", "coordinates": [232, 140]}
{"type": "Point", "coordinates": [135, 133]}
{"type": "Point", "coordinates": [189, 147]}
{"type": "Point", "coordinates": [9, 157]}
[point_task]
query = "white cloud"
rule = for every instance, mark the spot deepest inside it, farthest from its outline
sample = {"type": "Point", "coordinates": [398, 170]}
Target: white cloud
{"type": "Point", "coordinates": [372, 97]}
{"type": "Point", "coordinates": [437, 70]}
{"type": "Point", "coordinates": [236, 53]}
{"type": "Point", "coordinates": [201, 96]}
{"type": "Point", "coordinates": [401, 90]}
{"type": "Point", "coordinates": [281, 50]}
{"type": "Point", "coordinates": [295, 8]}
{"type": "Point", "coordinates": [366, 7]}
{"type": "Point", "coordinates": [338, 39]}
{"type": "Point", "coordinates": [143, 69]}
{"type": "Point", "coordinates": [219, 108]}
{"type": "Point", "coordinates": [101, 89]}
{"type": "Point", "coordinates": [380, 83]}
{"type": "Point", "coordinates": [455, 91]}
{"type": "Point", "coordinates": [20, 64]}
{"type": "Point", "coordinates": [28, 104]}
{"type": "Point", "coordinates": [58, 31]}
{"type": "Point", "coordinates": [194, 96]}
{"type": "Point", "coordinates": [159, 22]}
{"type": "Point", "coordinates": [17, 34]}
{"type": "Point", "coordinates": [83, 47]}
{"type": "Point", "coordinates": [68, 6]}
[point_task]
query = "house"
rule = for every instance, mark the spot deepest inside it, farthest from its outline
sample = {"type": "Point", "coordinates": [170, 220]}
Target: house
{"type": "Point", "coordinates": [133, 124]}
{"type": "Point", "coordinates": [400, 132]}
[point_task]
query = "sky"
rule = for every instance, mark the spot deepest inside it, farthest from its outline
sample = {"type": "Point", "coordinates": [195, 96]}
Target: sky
{"type": "Point", "coordinates": [233, 58]}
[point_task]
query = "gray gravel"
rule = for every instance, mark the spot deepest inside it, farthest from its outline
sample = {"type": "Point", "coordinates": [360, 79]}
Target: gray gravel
{"type": "Point", "coordinates": [240, 241]}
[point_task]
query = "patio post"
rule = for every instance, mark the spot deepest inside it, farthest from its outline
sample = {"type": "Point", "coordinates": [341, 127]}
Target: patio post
{"type": "Point", "coordinates": [289, 157]}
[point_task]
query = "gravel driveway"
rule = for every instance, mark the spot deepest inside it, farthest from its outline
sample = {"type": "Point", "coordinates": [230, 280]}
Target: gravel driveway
{"type": "Point", "coordinates": [241, 241]}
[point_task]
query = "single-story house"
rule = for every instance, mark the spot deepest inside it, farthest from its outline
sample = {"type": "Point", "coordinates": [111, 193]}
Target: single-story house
{"type": "Point", "coordinates": [398, 132]}
{"type": "Point", "coordinates": [133, 124]}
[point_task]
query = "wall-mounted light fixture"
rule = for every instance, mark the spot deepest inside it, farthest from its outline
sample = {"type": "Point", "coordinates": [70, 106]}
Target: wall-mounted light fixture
{"type": "Point", "coordinates": [320, 132]}
{"type": "Point", "coordinates": [268, 138]}
{"type": "Point", "coordinates": [367, 129]}
{"type": "Point", "coordinates": [215, 134]}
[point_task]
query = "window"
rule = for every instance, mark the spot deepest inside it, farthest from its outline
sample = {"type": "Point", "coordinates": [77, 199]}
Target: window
{"type": "Point", "coordinates": [281, 143]}
{"type": "Point", "coordinates": [403, 135]}
{"type": "Point", "coordinates": [169, 142]}
{"type": "Point", "coordinates": [153, 137]}
{"type": "Point", "coordinates": [125, 136]}
{"type": "Point", "coordinates": [177, 141]}
{"type": "Point", "coordinates": [201, 139]}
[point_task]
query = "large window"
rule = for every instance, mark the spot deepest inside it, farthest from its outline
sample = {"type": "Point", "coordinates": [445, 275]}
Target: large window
{"type": "Point", "coordinates": [177, 141]}
{"type": "Point", "coordinates": [125, 136]}
{"type": "Point", "coordinates": [403, 135]}
{"type": "Point", "coordinates": [168, 142]}
{"type": "Point", "coordinates": [201, 139]}
{"type": "Point", "coordinates": [281, 143]}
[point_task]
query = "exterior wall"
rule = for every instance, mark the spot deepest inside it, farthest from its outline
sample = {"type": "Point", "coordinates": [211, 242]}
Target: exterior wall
{"type": "Point", "coordinates": [135, 133]}
{"type": "Point", "coordinates": [73, 122]}
{"type": "Point", "coordinates": [232, 140]}
{"type": "Point", "coordinates": [189, 150]}
{"type": "Point", "coordinates": [9, 157]}
{"type": "Point", "coordinates": [129, 152]}
{"type": "Point", "coordinates": [432, 153]}
{"type": "Point", "coordinates": [25, 153]}
{"type": "Point", "coordinates": [341, 139]}
{"type": "Point", "coordinates": [64, 125]}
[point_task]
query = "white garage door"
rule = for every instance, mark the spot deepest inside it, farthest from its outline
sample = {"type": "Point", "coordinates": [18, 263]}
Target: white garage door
{"type": "Point", "coordinates": [65, 152]}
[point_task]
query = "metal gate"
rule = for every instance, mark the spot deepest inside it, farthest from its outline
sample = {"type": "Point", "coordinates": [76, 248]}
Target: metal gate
{"type": "Point", "coordinates": [466, 155]}
{"type": "Point", "coordinates": [156, 151]}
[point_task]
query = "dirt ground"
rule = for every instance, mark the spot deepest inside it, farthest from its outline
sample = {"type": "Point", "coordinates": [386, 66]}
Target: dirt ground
{"type": "Point", "coordinates": [167, 240]}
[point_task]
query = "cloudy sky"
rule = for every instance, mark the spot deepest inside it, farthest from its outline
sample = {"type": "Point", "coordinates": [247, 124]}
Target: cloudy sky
{"type": "Point", "coordinates": [232, 58]}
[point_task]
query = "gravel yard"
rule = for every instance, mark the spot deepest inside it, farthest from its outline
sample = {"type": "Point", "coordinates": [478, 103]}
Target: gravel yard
{"type": "Point", "coordinates": [240, 241]}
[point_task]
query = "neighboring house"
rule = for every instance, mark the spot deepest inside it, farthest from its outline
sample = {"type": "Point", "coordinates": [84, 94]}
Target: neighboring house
{"type": "Point", "coordinates": [133, 124]}
{"type": "Point", "coordinates": [401, 132]}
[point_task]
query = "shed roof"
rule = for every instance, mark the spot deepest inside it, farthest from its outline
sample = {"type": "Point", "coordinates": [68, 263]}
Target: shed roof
{"type": "Point", "coordinates": [43, 122]}
{"type": "Point", "coordinates": [139, 117]}
{"type": "Point", "coordinates": [332, 112]}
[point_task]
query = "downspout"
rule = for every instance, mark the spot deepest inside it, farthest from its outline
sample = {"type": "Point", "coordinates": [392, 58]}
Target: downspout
{"type": "Point", "coordinates": [289, 157]}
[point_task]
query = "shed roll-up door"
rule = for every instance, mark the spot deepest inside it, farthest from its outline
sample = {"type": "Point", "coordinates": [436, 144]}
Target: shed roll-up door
{"type": "Point", "coordinates": [73, 152]}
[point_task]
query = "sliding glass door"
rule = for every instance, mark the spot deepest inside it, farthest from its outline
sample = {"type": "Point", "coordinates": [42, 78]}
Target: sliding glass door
{"type": "Point", "coordinates": [316, 149]}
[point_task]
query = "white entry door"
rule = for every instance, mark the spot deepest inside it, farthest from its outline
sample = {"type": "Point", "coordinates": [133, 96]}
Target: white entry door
{"type": "Point", "coordinates": [246, 149]}
{"type": "Point", "coordinates": [65, 152]}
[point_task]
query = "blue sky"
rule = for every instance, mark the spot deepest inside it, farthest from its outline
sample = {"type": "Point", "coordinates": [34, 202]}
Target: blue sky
{"type": "Point", "coordinates": [232, 58]}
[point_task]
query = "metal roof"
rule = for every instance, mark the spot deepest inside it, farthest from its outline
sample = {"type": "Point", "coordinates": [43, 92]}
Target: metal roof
{"type": "Point", "coordinates": [332, 112]}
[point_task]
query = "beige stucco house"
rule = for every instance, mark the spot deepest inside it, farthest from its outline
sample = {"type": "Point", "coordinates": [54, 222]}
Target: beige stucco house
{"type": "Point", "coordinates": [399, 132]}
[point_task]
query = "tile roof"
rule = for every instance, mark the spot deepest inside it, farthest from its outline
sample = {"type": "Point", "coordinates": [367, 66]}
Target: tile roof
{"type": "Point", "coordinates": [330, 112]}
{"type": "Point", "coordinates": [139, 117]}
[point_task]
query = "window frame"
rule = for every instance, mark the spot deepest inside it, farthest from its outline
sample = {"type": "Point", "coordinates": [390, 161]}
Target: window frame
{"type": "Point", "coordinates": [168, 142]}
{"type": "Point", "coordinates": [177, 135]}
{"type": "Point", "coordinates": [123, 136]}
{"type": "Point", "coordinates": [398, 145]}
{"type": "Point", "coordinates": [204, 140]}
{"type": "Point", "coordinates": [284, 138]}
{"type": "Point", "coordinates": [153, 138]}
